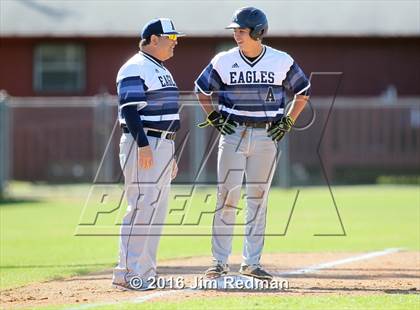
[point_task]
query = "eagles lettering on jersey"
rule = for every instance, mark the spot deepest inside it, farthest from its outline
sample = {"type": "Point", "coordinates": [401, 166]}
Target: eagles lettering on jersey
{"type": "Point", "coordinates": [251, 77]}
{"type": "Point", "coordinates": [252, 91]}
{"type": "Point", "coordinates": [147, 84]}
{"type": "Point", "coordinates": [166, 81]}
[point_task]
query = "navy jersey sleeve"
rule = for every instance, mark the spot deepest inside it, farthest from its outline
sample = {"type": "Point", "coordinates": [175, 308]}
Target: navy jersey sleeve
{"type": "Point", "coordinates": [296, 81]}
{"type": "Point", "coordinates": [131, 92]}
{"type": "Point", "coordinates": [208, 81]}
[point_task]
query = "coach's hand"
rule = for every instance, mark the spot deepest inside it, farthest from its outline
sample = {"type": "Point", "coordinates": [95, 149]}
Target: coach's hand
{"type": "Point", "coordinates": [145, 157]}
{"type": "Point", "coordinates": [278, 129]}
{"type": "Point", "coordinates": [218, 121]}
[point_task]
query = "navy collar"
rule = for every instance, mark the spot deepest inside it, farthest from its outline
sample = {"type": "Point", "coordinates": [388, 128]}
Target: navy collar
{"type": "Point", "coordinates": [152, 59]}
{"type": "Point", "coordinates": [256, 60]}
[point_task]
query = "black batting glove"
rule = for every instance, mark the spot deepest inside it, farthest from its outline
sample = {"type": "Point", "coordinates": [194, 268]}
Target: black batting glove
{"type": "Point", "coordinates": [278, 129]}
{"type": "Point", "coordinates": [218, 121]}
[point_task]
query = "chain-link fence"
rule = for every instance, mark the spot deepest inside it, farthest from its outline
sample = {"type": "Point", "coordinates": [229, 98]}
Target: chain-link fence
{"type": "Point", "coordinates": [4, 142]}
{"type": "Point", "coordinates": [76, 139]}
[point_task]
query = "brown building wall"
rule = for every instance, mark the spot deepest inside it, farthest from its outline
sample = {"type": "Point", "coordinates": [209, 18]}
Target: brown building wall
{"type": "Point", "coordinates": [16, 66]}
{"type": "Point", "coordinates": [103, 59]}
{"type": "Point", "coordinates": [369, 64]}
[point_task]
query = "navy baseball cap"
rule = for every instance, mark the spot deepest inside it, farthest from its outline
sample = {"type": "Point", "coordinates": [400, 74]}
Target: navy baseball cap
{"type": "Point", "coordinates": [159, 26]}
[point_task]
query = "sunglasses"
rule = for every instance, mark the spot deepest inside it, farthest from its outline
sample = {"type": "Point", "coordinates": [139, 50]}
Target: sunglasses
{"type": "Point", "coordinates": [172, 37]}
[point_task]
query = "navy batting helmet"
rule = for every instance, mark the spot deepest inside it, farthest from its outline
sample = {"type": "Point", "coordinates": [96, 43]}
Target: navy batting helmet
{"type": "Point", "coordinates": [252, 18]}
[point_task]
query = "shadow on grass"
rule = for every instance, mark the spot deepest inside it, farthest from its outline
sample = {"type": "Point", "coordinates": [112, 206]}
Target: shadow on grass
{"type": "Point", "coordinates": [17, 201]}
{"type": "Point", "coordinates": [75, 273]}
{"type": "Point", "coordinates": [367, 276]}
{"type": "Point", "coordinates": [357, 289]}
{"type": "Point", "coordinates": [54, 266]}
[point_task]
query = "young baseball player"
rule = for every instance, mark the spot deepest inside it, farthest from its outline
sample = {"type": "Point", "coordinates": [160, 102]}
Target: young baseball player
{"type": "Point", "coordinates": [148, 114]}
{"type": "Point", "coordinates": [251, 81]}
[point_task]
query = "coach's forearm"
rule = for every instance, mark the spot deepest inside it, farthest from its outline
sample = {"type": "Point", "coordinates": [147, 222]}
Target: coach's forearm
{"type": "Point", "coordinates": [134, 124]}
{"type": "Point", "coordinates": [297, 106]}
{"type": "Point", "coordinates": [206, 103]}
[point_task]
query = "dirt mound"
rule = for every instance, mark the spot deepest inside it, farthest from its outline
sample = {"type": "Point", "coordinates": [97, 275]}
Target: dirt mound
{"type": "Point", "coordinates": [392, 273]}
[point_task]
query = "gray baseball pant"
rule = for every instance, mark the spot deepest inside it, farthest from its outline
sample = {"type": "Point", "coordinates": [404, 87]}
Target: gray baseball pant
{"type": "Point", "coordinates": [147, 192]}
{"type": "Point", "coordinates": [247, 152]}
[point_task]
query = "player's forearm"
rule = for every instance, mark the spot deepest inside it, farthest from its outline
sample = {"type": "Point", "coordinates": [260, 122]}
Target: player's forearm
{"type": "Point", "coordinates": [205, 102]}
{"type": "Point", "coordinates": [297, 106]}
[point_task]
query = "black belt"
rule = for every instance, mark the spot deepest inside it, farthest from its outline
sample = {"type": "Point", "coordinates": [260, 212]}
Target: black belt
{"type": "Point", "coordinates": [158, 134]}
{"type": "Point", "coordinates": [254, 124]}
{"type": "Point", "coordinates": [154, 133]}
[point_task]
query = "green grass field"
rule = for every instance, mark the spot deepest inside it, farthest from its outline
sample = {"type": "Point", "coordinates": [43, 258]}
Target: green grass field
{"type": "Point", "coordinates": [281, 302]}
{"type": "Point", "coordinates": [38, 241]}
{"type": "Point", "coordinates": [394, 302]}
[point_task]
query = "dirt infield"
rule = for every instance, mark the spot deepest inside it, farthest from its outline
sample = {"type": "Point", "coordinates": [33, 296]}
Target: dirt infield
{"type": "Point", "coordinates": [393, 273]}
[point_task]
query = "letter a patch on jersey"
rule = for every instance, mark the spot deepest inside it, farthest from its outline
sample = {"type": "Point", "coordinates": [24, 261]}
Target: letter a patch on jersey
{"type": "Point", "coordinates": [270, 96]}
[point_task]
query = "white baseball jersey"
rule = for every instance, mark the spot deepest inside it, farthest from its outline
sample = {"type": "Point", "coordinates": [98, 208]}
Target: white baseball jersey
{"type": "Point", "coordinates": [252, 91]}
{"type": "Point", "coordinates": [145, 82]}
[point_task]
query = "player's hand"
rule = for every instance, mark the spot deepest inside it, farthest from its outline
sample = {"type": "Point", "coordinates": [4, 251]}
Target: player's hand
{"type": "Point", "coordinates": [278, 129]}
{"type": "Point", "coordinates": [218, 121]}
{"type": "Point", "coordinates": [174, 169]}
{"type": "Point", "coordinates": [145, 157]}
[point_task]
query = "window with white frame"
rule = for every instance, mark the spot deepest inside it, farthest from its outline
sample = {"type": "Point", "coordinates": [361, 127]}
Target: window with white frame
{"type": "Point", "coordinates": [59, 68]}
